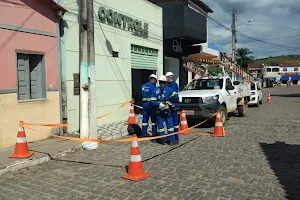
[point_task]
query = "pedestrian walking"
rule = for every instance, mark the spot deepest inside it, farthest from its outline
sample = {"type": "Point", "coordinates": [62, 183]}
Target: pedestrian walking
{"type": "Point", "coordinates": [148, 110]}
{"type": "Point", "coordinates": [175, 117]}
{"type": "Point", "coordinates": [161, 101]}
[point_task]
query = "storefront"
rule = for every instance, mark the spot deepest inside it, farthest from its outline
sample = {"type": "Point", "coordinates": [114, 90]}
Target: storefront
{"type": "Point", "coordinates": [129, 47]}
{"type": "Point", "coordinates": [185, 28]}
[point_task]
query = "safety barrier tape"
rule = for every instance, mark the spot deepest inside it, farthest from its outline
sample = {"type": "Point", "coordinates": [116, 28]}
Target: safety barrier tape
{"type": "Point", "coordinates": [62, 125]}
{"type": "Point", "coordinates": [26, 126]}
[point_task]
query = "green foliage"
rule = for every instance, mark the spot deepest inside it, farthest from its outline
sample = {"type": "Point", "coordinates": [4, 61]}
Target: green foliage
{"type": "Point", "coordinates": [277, 59]}
{"type": "Point", "coordinates": [243, 57]}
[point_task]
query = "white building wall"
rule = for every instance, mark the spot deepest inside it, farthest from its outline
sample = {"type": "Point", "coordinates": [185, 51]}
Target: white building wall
{"type": "Point", "coordinates": [113, 75]}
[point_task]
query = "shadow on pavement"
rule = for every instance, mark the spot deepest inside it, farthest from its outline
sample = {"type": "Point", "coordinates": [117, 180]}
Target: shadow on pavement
{"type": "Point", "coordinates": [284, 160]}
{"type": "Point", "coordinates": [285, 95]}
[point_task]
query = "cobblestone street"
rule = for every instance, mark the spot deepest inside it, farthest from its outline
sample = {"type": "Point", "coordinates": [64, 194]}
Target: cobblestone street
{"type": "Point", "coordinates": [258, 159]}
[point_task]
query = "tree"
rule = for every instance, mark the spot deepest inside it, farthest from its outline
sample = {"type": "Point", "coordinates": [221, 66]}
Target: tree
{"type": "Point", "coordinates": [243, 57]}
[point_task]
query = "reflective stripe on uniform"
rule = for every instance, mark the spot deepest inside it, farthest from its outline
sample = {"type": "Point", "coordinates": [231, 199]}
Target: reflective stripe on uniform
{"type": "Point", "coordinates": [153, 124]}
{"type": "Point", "coordinates": [161, 130]}
{"type": "Point", "coordinates": [176, 126]}
{"type": "Point", "coordinates": [146, 99]}
{"type": "Point", "coordinates": [153, 98]}
{"type": "Point", "coordinates": [144, 124]}
{"type": "Point", "coordinates": [170, 129]}
{"type": "Point", "coordinates": [173, 94]}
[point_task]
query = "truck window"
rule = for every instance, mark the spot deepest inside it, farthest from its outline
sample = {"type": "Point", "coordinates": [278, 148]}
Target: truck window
{"type": "Point", "coordinates": [252, 86]}
{"type": "Point", "coordinates": [228, 83]}
{"type": "Point", "coordinates": [204, 84]}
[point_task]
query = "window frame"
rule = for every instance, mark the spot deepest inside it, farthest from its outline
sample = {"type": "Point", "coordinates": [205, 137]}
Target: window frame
{"type": "Point", "coordinates": [44, 74]}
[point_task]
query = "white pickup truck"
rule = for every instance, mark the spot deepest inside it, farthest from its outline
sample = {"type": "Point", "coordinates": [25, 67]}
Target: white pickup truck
{"type": "Point", "coordinates": [201, 98]}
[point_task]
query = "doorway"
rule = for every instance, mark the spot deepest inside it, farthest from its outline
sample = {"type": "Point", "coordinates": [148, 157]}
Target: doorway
{"type": "Point", "coordinates": [139, 77]}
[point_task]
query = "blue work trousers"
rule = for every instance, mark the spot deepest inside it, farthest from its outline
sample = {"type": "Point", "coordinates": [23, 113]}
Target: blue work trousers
{"type": "Point", "coordinates": [148, 113]}
{"type": "Point", "coordinates": [161, 128]}
{"type": "Point", "coordinates": [175, 119]}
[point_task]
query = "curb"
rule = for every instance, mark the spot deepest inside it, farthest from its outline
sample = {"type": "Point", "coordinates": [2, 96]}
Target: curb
{"type": "Point", "coordinates": [21, 164]}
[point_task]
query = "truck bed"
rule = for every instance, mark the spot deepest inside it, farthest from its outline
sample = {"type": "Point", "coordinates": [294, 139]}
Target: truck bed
{"type": "Point", "coordinates": [243, 89]}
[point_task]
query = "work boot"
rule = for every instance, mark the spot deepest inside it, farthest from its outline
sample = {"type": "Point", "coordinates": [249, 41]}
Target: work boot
{"type": "Point", "coordinates": [162, 142]}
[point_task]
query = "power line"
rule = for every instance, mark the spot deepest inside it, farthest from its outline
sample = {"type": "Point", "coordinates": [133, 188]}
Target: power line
{"type": "Point", "coordinates": [250, 37]}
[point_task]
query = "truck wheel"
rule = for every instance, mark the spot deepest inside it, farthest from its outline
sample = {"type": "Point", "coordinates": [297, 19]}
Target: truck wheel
{"type": "Point", "coordinates": [260, 102]}
{"type": "Point", "coordinates": [242, 109]}
{"type": "Point", "coordinates": [257, 105]}
{"type": "Point", "coordinates": [223, 113]}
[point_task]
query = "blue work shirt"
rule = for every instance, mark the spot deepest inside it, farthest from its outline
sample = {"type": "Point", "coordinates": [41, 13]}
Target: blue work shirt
{"type": "Point", "coordinates": [174, 95]}
{"type": "Point", "coordinates": [174, 86]}
{"type": "Point", "coordinates": [161, 95]}
{"type": "Point", "coordinates": [147, 90]}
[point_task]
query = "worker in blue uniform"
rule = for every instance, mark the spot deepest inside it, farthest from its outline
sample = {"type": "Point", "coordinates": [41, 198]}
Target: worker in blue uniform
{"type": "Point", "coordinates": [161, 101]}
{"type": "Point", "coordinates": [148, 110]}
{"type": "Point", "coordinates": [175, 101]}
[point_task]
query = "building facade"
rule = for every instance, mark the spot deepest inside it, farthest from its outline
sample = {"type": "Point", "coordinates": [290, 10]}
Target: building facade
{"type": "Point", "coordinates": [185, 28]}
{"type": "Point", "coordinates": [29, 71]}
{"type": "Point", "coordinates": [256, 69]}
{"type": "Point", "coordinates": [289, 71]}
{"type": "Point", "coordinates": [128, 46]}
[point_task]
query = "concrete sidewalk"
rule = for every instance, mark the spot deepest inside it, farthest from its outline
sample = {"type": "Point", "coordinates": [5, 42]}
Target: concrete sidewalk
{"type": "Point", "coordinates": [44, 150]}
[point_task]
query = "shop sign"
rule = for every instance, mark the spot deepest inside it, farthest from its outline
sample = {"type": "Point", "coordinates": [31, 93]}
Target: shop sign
{"type": "Point", "coordinates": [176, 46]}
{"type": "Point", "coordinates": [121, 21]}
{"type": "Point", "coordinates": [205, 61]}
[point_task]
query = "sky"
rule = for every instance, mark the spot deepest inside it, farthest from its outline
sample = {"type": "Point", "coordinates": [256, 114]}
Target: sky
{"type": "Point", "coordinates": [272, 21]}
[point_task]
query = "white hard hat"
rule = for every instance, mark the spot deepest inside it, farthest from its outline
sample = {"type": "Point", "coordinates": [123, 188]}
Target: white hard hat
{"type": "Point", "coordinates": [169, 74]}
{"type": "Point", "coordinates": [162, 78]}
{"type": "Point", "coordinates": [153, 76]}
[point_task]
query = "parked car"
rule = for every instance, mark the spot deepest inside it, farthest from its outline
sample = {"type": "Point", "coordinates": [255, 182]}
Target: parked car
{"type": "Point", "coordinates": [256, 94]}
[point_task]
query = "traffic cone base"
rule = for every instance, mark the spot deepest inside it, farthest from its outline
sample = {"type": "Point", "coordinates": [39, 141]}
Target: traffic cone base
{"type": "Point", "coordinates": [219, 128]}
{"type": "Point", "coordinates": [135, 169]}
{"type": "Point", "coordinates": [269, 99]}
{"type": "Point", "coordinates": [184, 127]}
{"type": "Point", "coordinates": [21, 149]}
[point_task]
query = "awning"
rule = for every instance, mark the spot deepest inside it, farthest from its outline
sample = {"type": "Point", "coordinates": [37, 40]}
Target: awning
{"type": "Point", "coordinates": [295, 78]}
{"type": "Point", "coordinates": [285, 78]}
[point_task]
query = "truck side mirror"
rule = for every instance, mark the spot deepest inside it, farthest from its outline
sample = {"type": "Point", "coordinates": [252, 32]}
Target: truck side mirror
{"type": "Point", "coordinates": [236, 83]}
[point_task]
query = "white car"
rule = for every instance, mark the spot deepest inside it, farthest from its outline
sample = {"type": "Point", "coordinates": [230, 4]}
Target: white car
{"type": "Point", "coordinates": [256, 94]}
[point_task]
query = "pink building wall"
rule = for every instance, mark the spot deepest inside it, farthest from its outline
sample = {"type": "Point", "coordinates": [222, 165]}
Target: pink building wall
{"type": "Point", "coordinates": [31, 14]}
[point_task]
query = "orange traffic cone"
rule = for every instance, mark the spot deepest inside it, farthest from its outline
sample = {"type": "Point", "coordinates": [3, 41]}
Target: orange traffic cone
{"type": "Point", "coordinates": [131, 118]}
{"type": "Point", "coordinates": [269, 99]}
{"type": "Point", "coordinates": [135, 170]}
{"type": "Point", "coordinates": [184, 127]}
{"type": "Point", "coordinates": [219, 128]}
{"type": "Point", "coordinates": [21, 149]}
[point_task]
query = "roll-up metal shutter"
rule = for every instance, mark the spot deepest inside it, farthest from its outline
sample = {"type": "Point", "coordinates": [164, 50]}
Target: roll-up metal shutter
{"type": "Point", "coordinates": [143, 57]}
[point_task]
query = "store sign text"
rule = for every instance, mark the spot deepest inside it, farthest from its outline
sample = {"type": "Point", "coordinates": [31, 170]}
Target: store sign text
{"type": "Point", "coordinates": [118, 20]}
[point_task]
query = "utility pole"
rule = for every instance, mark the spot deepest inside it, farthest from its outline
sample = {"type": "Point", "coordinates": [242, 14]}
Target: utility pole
{"type": "Point", "coordinates": [91, 71]}
{"type": "Point", "coordinates": [84, 81]}
{"type": "Point", "coordinates": [233, 35]}
{"type": "Point", "coordinates": [233, 40]}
